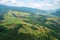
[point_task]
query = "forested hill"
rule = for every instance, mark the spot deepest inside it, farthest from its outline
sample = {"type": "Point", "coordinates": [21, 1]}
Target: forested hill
{"type": "Point", "coordinates": [24, 25]}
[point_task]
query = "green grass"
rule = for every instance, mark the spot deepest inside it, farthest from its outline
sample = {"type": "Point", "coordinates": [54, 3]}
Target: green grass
{"type": "Point", "coordinates": [24, 26]}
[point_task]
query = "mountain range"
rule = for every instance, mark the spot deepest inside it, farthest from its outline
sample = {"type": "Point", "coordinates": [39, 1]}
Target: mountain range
{"type": "Point", "coordinates": [23, 23]}
{"type": "Point", "coordinates": [54, 12]}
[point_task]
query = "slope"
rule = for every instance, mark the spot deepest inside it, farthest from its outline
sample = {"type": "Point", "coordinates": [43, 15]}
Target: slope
{"type": "Point", "coordinates": [17, 25]}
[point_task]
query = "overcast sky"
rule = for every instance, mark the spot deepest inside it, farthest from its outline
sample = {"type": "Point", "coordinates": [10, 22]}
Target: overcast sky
{"type": "Point", "coordinates": [40, 4]}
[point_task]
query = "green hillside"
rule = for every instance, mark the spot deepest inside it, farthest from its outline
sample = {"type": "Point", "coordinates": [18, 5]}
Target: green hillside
{"type": "Point", "coordinates": [16, 25]}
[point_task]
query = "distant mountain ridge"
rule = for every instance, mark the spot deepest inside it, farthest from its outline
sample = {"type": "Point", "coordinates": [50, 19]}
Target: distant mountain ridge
{"type": "Point", "coordinates": [4, 9]}
{"type": "Point", "coordinates": [22, 9]}
{"type": "Point", "coordinates": [56, 13]}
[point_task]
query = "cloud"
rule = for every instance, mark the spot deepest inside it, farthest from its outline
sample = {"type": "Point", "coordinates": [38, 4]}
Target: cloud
{"type": "Point", "coordinates": [40, 4]}
{"type": "Point", "coordinates": [11, 2]}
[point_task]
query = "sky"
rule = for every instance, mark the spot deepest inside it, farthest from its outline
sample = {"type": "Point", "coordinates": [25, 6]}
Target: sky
{"type": "Point", "coordinates": [39, 4]}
